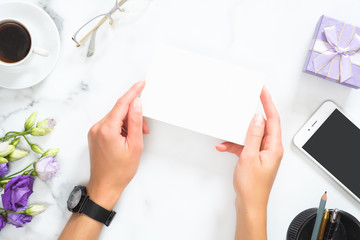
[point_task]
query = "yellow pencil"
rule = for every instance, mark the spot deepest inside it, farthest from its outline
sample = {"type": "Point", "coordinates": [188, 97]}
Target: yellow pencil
{"type": "Point", "coordinates": [323, 224]}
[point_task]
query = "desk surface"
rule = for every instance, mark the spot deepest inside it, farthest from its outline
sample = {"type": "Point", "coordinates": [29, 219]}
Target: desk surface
{"type": "Point", "coordinates": [183, 188]}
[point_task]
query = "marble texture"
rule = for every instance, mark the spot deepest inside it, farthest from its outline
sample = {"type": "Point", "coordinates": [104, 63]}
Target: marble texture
{"type": "Point", "coordinates": [183, 188]}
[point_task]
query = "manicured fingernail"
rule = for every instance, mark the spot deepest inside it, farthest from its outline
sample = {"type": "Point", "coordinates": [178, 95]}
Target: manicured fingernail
{"type": "Point", "coordinates": [258, 120]}
{"type": "Point", "coordinates": [137, 105]}
{"type": "Point", "coordinates": [141, 82]}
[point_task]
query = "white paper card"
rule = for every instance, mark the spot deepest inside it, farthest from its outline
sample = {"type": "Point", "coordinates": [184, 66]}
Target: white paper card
{"type": "Point", "coordinates": [202, 94]}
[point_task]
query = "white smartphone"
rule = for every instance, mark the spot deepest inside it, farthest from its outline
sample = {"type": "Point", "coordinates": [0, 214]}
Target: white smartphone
{"type": "Point", "coordinates": [332, 141]}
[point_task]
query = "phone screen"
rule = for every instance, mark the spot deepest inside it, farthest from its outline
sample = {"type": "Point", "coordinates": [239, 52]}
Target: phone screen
{"type": "Point", "coordinates": [336, 146]}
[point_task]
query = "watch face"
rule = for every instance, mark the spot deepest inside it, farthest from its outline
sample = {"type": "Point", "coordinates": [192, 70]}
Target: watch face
{"type": "Point", "coordinates": [74, 198]}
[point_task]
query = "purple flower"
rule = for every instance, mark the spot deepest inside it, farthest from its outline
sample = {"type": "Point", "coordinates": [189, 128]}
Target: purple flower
{"type": "Point", "coordinates": [17, 192]}
{"type": "Point", "coordinates": [4, 168]}
{"type": "Point", "coordinates": [2, 222]}
{"type": "Point", "coordinates": [51, 123]}
{"type": "Point", "coordinates": [46, 167]}
{"type": "Point", "coordinates": [18, 219]}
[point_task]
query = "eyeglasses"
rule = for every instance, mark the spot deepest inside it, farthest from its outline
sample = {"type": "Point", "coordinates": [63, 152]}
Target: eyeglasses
{"type": "Point", "coordinates": [91, 27]}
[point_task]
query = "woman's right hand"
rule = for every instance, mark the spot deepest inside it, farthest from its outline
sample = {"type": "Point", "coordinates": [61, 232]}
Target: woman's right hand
{"type": "Point", "coordinates": [256, 169]}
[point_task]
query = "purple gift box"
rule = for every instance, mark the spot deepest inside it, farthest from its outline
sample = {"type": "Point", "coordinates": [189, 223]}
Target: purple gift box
{"type": "Point", "coordinates": [334, 52]}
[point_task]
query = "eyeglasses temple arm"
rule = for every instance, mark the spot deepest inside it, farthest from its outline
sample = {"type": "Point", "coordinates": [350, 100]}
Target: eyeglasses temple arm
{"type": "Point", "coordinates": [101, 22]}
{"type": "Point", "coordinates": [92, 30]}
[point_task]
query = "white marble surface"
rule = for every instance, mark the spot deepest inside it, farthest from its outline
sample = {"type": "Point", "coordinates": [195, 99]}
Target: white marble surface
{"type": "Point", "coordinates": [183, 188]}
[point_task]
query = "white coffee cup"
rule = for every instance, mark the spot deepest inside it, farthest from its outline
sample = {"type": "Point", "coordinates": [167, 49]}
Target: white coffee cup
{"type": "Point", "coordinates": [32, 50]}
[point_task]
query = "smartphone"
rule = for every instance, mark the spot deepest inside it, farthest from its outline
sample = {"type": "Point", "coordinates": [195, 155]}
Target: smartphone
{"type": "Point", "coordinates": [332, 141]}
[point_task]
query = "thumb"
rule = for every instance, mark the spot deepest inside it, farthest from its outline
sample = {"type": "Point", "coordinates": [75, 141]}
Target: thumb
{"type": "Point", "coordinates": [255, 134]}
{"type": "Point", "coordinates": [135, 124]}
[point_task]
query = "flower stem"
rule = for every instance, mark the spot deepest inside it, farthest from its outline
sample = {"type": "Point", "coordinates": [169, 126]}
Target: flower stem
{"type": "Point", "coordinates": [9, 177]}
{"type": "Point", "coordinates": [12, 211]}
{"type": "Point", "coordinates": [27, 140]}
{"type": "Point", "coordinates": [13, 134]}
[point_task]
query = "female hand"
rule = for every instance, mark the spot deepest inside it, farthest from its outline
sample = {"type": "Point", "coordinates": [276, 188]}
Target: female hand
{"type": "Point", "coordinates": [115, 145]}
{"type": "Point", "coordinates": [256, 169]}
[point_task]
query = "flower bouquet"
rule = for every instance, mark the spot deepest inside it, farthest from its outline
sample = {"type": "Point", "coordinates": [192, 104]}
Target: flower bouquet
{"type": "Point", "coordinates": [18, 186]}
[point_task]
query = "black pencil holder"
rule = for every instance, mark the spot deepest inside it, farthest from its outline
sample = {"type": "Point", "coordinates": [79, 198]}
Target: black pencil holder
{"type": "Point", "coordinates": [302, 226]}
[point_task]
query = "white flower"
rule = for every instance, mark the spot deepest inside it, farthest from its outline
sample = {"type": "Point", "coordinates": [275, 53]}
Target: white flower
{"type": "Point", "coordinates": [46, 167]}
{"type": "Point", "coordinates": [53, 152]}
{"type": "Point", "coordinates": [44, 127]}
{"type": "Point", "coordinates": [4, 146]}
{"type": "Point", "coordinates": [17, 154]}
{"type": "Point", "coordinates": [36, 149]}
{"type": "Point", "coordinates": [30, 121]}
{"type": "Point", "coordinates": [35, 209]}
{"type": "Point", "coordinates": [6, 149]}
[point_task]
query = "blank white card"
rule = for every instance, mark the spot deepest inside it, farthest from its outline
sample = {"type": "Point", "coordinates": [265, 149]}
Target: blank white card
{"type": "Point", "coordinates": [202, 94]}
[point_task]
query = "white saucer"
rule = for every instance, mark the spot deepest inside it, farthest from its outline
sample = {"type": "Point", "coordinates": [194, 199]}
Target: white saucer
{"type": "Point", "coordinates": [45, 35]}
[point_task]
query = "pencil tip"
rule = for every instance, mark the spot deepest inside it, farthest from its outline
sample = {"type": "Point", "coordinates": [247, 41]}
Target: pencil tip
{"type": "Point", "coordinates": [324, 196]}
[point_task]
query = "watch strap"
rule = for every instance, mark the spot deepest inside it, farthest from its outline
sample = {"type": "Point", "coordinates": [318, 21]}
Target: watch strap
{"type": "Point", "coordinates": [97, 212]}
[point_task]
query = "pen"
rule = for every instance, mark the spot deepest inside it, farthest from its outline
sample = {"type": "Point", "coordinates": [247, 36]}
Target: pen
{"type": "Point", "coordinates": [332, 225]}
{"type": "Point", "coordinates": [319, 216]}
{"type": "Point", "coordinates": [323, 225]}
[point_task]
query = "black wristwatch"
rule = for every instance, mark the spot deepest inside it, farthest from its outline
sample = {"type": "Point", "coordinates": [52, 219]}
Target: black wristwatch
{"type": "Point", "coordinates": [80, 202]}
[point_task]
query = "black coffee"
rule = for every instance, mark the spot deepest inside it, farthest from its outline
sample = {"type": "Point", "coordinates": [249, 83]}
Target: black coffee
{"type": "Point", "coordinates": [15, 42]}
